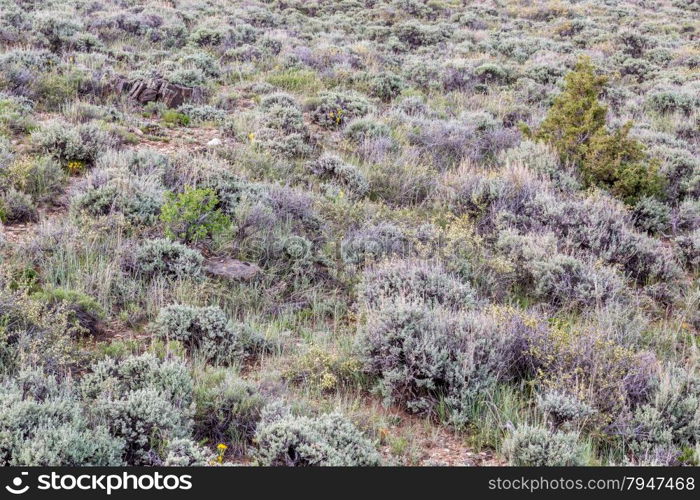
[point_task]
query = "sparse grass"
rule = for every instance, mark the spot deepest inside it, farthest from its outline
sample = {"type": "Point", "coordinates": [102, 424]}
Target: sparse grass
{"type": "Point", "coordinates": [316, 152]}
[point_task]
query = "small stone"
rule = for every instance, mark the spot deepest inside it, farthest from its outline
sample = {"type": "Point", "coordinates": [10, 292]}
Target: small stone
{"type": "Point", "coordinates": [214, 142]}
{"type": "Point", "coordinates": [231, 269]}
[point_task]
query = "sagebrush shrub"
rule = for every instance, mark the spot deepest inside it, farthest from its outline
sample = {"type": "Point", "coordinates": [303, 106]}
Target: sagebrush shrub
{"type": "Point", "coordinates": [386, 86]}
{"type": "Point", "coordinates": [373, 242]}
{"type": "Point", "coordinates": [563, 408]}
{"type": "Point", "coordinates": [79, 145]}
{"type": "Point", "coordinates": [35, 333]}
{"type": "Point", "coordinates": [139, 162]}
{"type": "Point", "coordinates": [366, 129]}
{"type": "Point", "coordinates": [186, 453]}
{"type": "Point", "coordinates": [672, 418]}
{"type": "Point", "coordinates": [141, 400]}
{"type": "Point", "coordinates": [327, 440]}
{"type": "Point", "coordinates": [227, 409]}
{"type": "Point", "coordinates": [280, 99]}
{"type": "Point", "coordinates": [42, 423]}
{"type": "Point", "coordinates": [139, 199]}
{"type": "Point", "coordinates": [334, 109]}
{"type": "Point", "coordinates": [414, 281]}
{"type": "Point", "coordinates": [17, 207]}
{"type": "Point", "coordinates": [161, 257]}
{"type": "Point", "coordinates": [560, 279]}
{"type": "Point", "coordinates": [689, 246]}
{"type": "Point", "coordinates": [609, 377]}
{"type": "Point", "coordinates": [41, 178]}
{"type": "Point", "coordinates": [332, 168]}
{"type": "Point", "coordinates": [416, 34]}
{"type": "Point", "coordinates": [83, 309]}
{"type": "Point", "coordinates": [666, 101]}
{"type": "Point", "coordinates": [651, 216]}
{"type": "Point", "coordinates": [204, 331]}
{"type": "Point", "coordinates": [425, 355]}
{"type": "Point", "coordinates": [529, 446]}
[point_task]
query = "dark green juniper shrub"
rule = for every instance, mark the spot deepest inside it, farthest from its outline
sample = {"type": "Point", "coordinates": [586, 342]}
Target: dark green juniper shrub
{"type": "Point", "coordinates": [576, 128]}
{"type": "Point", "coordinates": [416, 34]}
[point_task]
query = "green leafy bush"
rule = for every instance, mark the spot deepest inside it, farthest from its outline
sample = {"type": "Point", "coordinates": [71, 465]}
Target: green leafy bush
{"type": "Point", "coordinates": [193, 215]}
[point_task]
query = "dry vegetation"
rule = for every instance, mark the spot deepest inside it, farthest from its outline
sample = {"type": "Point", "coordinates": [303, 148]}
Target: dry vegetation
{"type": "Point", "coordinates": [355, 232]}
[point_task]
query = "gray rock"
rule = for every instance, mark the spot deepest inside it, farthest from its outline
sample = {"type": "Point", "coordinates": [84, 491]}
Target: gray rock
{"type": "Point", "coordinates": [144, 91]}
{"type": "Point", "coordinates": [231, 269]}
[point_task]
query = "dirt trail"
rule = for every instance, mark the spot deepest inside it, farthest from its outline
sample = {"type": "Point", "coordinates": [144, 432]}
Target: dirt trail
{"type": "Point", "coordinates": [436, 444]}
{"type": "Point", "coordinates": [192, 139]}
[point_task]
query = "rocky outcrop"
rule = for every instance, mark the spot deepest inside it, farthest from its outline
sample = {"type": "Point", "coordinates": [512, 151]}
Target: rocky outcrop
{"type": "Point", "coordinates": [144, 91]}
